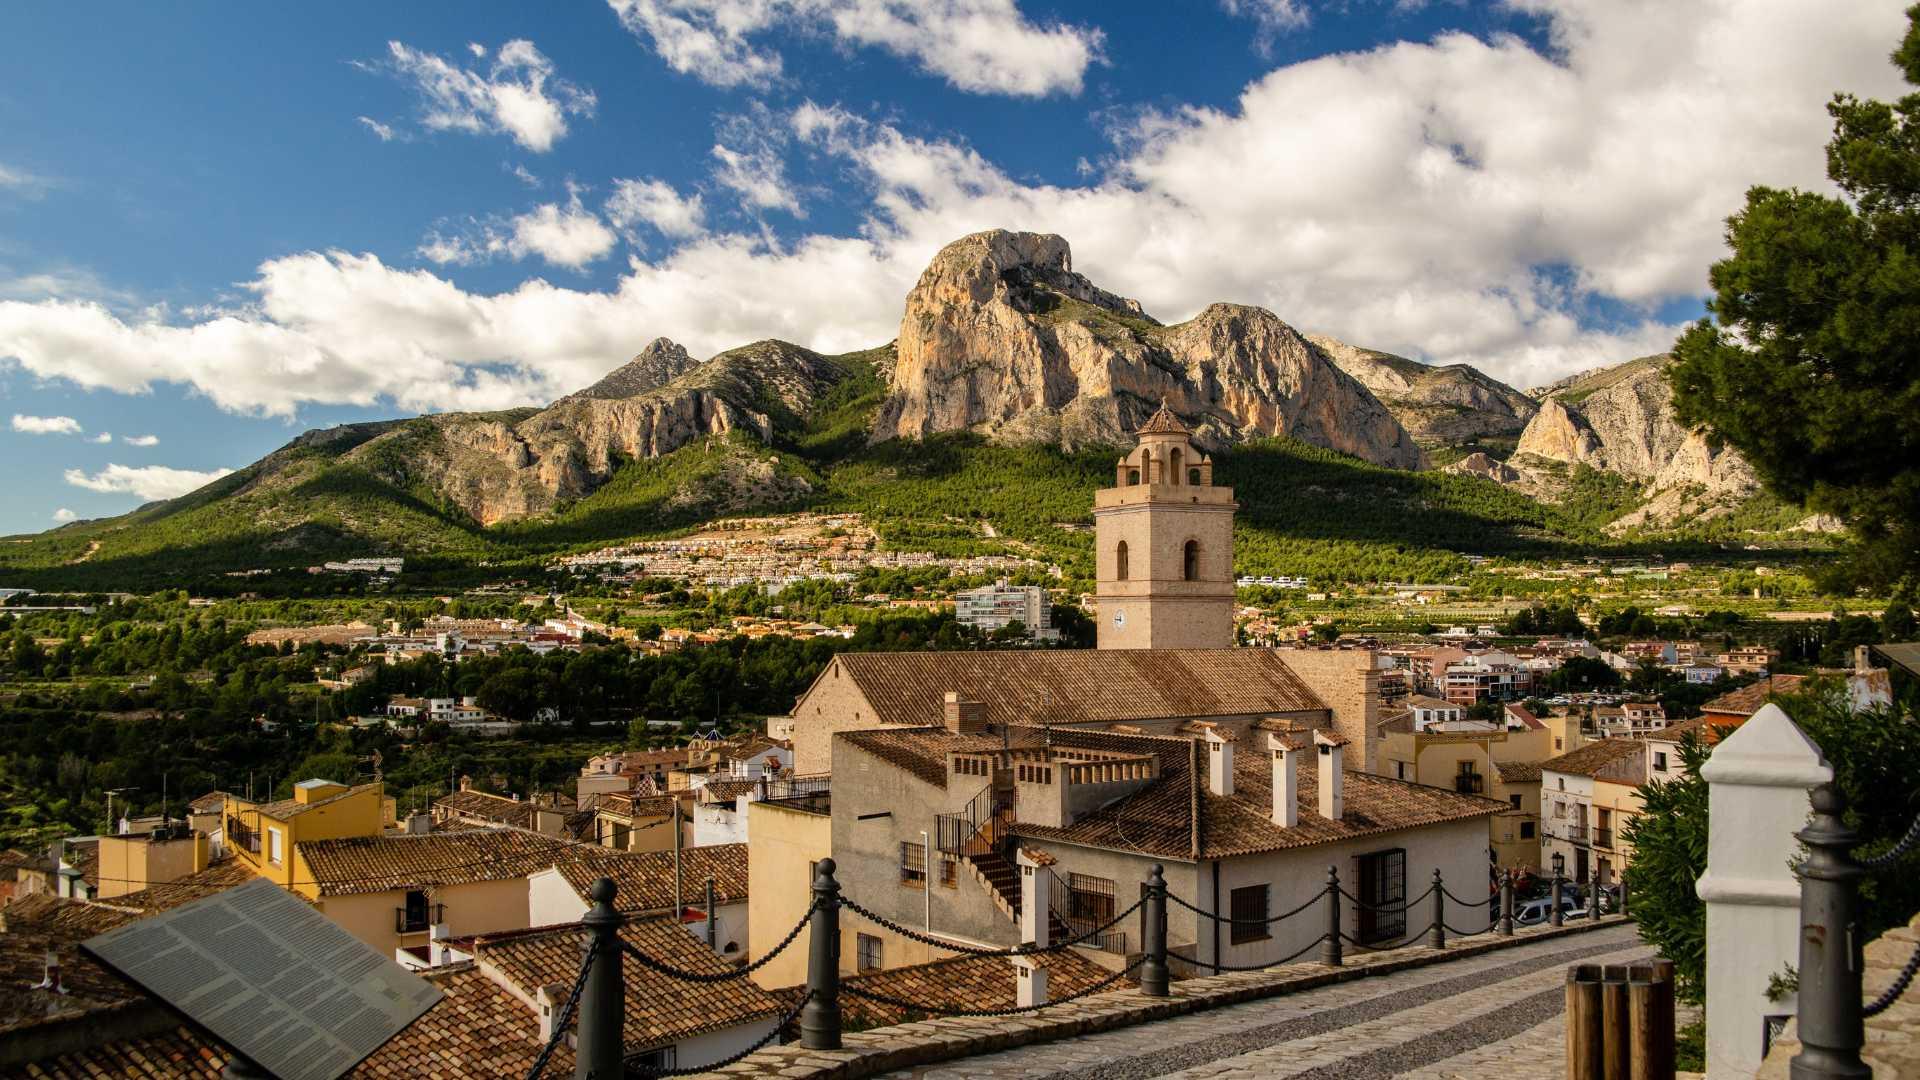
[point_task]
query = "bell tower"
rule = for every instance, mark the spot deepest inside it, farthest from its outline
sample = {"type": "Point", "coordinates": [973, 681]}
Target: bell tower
{"type": "Point", "coordinates": [1163, 538]}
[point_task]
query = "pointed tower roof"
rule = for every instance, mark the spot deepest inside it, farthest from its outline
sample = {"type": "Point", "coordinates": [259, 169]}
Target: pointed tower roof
{"type": "Point", "coordinates": [1163, 422]}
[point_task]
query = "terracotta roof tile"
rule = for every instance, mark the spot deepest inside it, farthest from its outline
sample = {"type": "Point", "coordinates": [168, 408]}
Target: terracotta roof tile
{"type": "Point", "coordinates": [217, 877]}
{"type": "Point", "coordinates": [287, 808]}
{"type": "Point", "coordinates": [181, 1053]}
{"type": "Point", "coordinates": [1517, 772]}
{"type": "Point", "coordinates": [1747, 700]}
{"type": "Point", "coordinates": [1710, 729]}
{"type": "Point", "coordinates": [478, 1029]}
{"type": "Point", "coordinates": [1078, 686]}
{"type": "Point", "coordinates": [367, 864]}
{"type": "Point", "coordinates": [1593, 757]}
{"type": "Point", "coordinates": [645, 878]}
{"type": "Point", "coordinates": [209, 803]}
{"type": "Point", "coordinates": [658, 1009]}
{"type": "Point", "coordinates": [1163, 422]}
{"type": "Point", "coordinates": [487, 807]}
{"type": "Point", "coordinates": [968, 982]}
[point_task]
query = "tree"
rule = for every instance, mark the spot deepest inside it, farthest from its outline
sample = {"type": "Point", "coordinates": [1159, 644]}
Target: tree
{"type": "Point", "coordinates": [1669, 840]}
{"type": "Point", "coordinates": [1809, 360]}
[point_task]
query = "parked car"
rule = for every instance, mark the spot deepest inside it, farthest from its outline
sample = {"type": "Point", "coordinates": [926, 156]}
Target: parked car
{"type": "Point", "coordinates": [1535, 912]}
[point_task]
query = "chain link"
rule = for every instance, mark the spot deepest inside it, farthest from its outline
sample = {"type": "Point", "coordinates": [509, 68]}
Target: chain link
{"type": "Point", "coordinates": [793, 1014]}
{"type": "Point", "coordinates": [1218, 967]}
{"type": "Point", "coordinates": [1317, 898]}
{"type": "Point", "coordinates": [974, 950]}
{"type": "Point", "coordinates": [853, 990]}
{"type": "Point", "coordinates": [566, 1012]}
{"type": "Point", "coordinates": [1898, 851]}
{"type": "Point", "coordinates": [737, 973]}
{"type": "Point", "coordinates": [1900, 984]}
{"type": "Point", "coordinates": [1492, 898]}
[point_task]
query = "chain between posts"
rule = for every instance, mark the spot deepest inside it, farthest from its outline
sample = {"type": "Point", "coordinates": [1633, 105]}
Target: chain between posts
{"type": "Point", "coordinates": [647, 1071]}
{"type": "Point", "coordinates": [740, 972]}
{"type": "Point", "coordinates": [565, 1015]}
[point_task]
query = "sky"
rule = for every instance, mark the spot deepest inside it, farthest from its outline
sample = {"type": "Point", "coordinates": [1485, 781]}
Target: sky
{"type": "Point", "coordinates": [223, 225]}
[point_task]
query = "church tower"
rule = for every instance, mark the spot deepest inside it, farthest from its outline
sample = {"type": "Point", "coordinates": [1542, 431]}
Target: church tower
{"type": "Point", "coordinates": [1163, 537]}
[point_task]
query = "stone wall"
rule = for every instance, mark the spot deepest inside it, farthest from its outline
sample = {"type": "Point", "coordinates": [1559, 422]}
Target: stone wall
{"type": "Point", "coordinates": [1348, 681]}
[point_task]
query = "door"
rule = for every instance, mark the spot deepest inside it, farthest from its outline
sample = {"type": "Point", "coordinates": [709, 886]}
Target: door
{"type": "Point", "coordinates": [1580, 865]}
{"type": "Point", "coordinates": [1383, 884]}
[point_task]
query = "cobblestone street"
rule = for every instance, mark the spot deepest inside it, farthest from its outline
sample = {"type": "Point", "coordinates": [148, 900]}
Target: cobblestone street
{"type": "Point", "coordinates": [1493, 1015]}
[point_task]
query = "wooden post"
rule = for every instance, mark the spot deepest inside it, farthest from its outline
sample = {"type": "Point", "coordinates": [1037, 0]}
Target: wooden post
{"type": "Point", "coordinates": [1650, 1019]}
{"type": "Point", "coordinates": [1614, 1023]}
{"type": "Point", "coordinates": [1584, 1051]}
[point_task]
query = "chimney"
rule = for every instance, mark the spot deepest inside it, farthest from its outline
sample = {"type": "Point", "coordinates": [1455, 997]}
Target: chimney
{"type": "Point", "coordinates": [1286, 779]}
{"type": "Point", "coordinates": [1862, 658]}
{"type": "Point", "coordinates": [419, 824]}
{"type": "Point", "coordinates": [1219, 761]}
{"type": "Point", "coordinates": [1332, 777]}
{"type": "Point", "coordinates": [466, 783]}
{"type": "Point", "coordinates": [548, 999]}
{"type": "Point", "coordinates": [51, 983]}
{"type": "Point", "coordinates": [964, 717]}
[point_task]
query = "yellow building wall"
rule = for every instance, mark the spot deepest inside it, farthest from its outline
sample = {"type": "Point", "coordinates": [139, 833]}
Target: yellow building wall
{"type": "Point", "coordinates": [131, 863]}
{"type": "Point", "coordinates": [480, 907]}
{"type": "Point", "coordinates": [1510, 849]}
{"type": "Point", "coordinates": [786, 842]}
{"type": "Point", "coordinates": [363, 813]}
{"type": "Point", "coordinates": [1623, 799]}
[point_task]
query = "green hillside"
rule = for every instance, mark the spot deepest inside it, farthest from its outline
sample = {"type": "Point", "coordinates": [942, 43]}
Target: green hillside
{"type": "Point", "coordinates": [1306, 510]}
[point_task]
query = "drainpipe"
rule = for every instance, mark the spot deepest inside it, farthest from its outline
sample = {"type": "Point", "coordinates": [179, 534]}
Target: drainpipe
{"type": "Point", "coordinates": [1216, 909]}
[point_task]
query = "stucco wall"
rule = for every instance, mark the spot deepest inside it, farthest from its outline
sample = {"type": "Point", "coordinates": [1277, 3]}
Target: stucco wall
{"type": "Point", "coordinates": [480, 907]}
{"type": "Point", "coordinates": [785, 842]}
{"type": "Point", "coordinates": [1348, 681]}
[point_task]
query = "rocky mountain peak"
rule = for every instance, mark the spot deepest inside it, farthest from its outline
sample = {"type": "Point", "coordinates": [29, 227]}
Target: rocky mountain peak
{"type": "Point", "coordinates": [661, 362]}
{"type": "Point", "coordinates": [1001, 336]}
{"type": "Point", "coordinates": [1439, 405]}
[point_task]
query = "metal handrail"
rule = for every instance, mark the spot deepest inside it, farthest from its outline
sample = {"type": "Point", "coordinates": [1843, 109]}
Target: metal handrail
{"type": "Point", "coordinates": [961, 832]}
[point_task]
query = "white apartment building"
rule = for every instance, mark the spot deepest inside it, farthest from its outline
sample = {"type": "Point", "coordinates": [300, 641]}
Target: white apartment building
{"type": "Point", "coordinates": [992, 607]}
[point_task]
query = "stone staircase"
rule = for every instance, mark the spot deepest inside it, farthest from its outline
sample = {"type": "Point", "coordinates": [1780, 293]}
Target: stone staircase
{"type": "Point", "coordinates": [1001, 879]}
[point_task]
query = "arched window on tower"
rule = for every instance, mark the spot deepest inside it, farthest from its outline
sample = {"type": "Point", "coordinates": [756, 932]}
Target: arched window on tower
{"type": "Point", "coordinates": [1133, 476]}
{"type": "Point", "coordinates": [1120, 562]}
{"type": "Point", "coordinates": [1173, 474]}
{"type": "Point", "coordinates": [1193, 477]}
{"type": "Point", "coordinates": [1190, 567]}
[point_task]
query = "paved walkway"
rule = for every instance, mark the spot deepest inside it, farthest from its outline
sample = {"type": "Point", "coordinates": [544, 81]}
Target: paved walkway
{"type": "Point", "coordinates": [1491, 1015]}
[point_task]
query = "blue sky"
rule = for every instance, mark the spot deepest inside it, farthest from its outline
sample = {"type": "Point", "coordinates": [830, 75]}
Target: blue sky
{"type": "Point", "coordinates": [219, 227]}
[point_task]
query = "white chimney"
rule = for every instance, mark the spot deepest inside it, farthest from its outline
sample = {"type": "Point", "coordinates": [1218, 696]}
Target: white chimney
{"type": "Point", "coordinates": [1286, 780]}
{"type": "Point", "coordinates": [1332, 774]}
{"type": "Point", "coordinates": [548, 1002]}
{"type": "Point", "coordinates": [1220, 761]}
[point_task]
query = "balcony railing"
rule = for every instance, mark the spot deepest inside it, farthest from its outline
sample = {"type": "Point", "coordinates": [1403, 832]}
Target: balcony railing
{"type": "Point", "coordinates": [1576, 834]}
{"type": "Point", "coordinates": [1469, 783]}
{"type": "Point", "coordinates": [1603, 838]}
{"type": "Point", "coordinates": [242, 836]}
{"type": "Point", "coordinates": [414, 920]}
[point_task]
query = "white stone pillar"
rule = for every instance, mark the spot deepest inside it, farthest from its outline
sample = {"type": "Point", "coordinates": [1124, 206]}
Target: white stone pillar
{"type": "Point", "coordinates": [1758, 779]}
{"type": "Point", "coordinates": [1036, 896]}
{"type": "Point", "coordinates": [1030, 982]}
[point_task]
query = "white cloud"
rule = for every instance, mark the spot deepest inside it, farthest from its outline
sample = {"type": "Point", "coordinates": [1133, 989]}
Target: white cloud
{"type": "Point", "coordinates": [980, 46]}
{"type": "Point", "coordinates": [101, 439]}
{"type": "Point", "coordinates": [478, 50]}
{"type": "Point", "coordinates": [22, 183]}
{"type": "Point", "coordinates": [521, 173]}
{"type": "Point", "coordinates": [64, 515]}
{"type": "Point", "coordinates": [517, 95]}
{"type": "Point", "coordinates": [570, 236]}
{"type": "Point", "coordinates": [1404, 199]}
{"type": "Point", "coordinates": [758, 175]}
{"type": "Point", "coordinates": [385, 132]}
{"type": "Point", "coordinates": [140, 440]}
{"type": "Point", "coordinates": [656, 203]}
{"type": "Point", "coordinates": [46, 425]}
{"type": "Point", "coordinates": [1272, 17]}
{"type": "Point", "coordinates": [149, 482]}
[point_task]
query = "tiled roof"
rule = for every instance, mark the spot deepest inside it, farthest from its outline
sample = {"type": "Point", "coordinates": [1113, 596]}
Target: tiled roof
{"type": "Point", "coordinates": [478, 1029]}
{"type": "Point", "coordinates": [368, 864]}
{"type": "Point", "coordinates": [1517, 772]}
{"type": "Point", "coordinates": [1077, 686]}
{"type": "Point", "coordinates": [1747, 700]}
{"type": "Point", "coordinates": [286, 808]}
{"type": "Point", "coordinates": [658, 1009]}
{"type": "Point", "coordinates": [217, 877]}
{"type": "Point", "coordinates": [84, 856]}
{"type": "Point", "coordinates": [210, 803]}
{"type": "Point", "coordinates": [1526, 717]}
{"type": "Point", "coordinates": [923, 751]}
{"type": "Point", "coordinates": [727, 790]}
{"type": "Point", "coordinates": [1423, 701]}
{"type": "Point", "coordinates": [487, 807]}
{"type": "Point", "coordinates": [1591, 758]}
{"type": "Point", "coordinates": [1710, 729]}
{"type": "Point", "coordinates": [967, 982]}
{"type": "Point", "coordinates": [1160, 819]}
{"type": "Point", "coordinates": [1163, 422]}
{"type": "Point", "coordinates": [182, 1053]}
{"type": "Point", "coordinates": [628, 804]}
{"type": "Point", "coordinates": [39, 924]}
{"type": "Point", "coordinates": [645, 878]}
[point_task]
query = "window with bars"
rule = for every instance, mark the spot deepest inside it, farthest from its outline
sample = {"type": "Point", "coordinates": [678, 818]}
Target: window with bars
{"type": "Point", "coordinates": [1090, 897]}
{"type": "Point", "coordinates": [1249, 911]}
{"type": "Point", "coordinates": [913, 865]}
{"type": "Point", "coordinates": [949, 869]}
{"type": "Point", "coordinates": [1383, 890]}
{"type": "Point", "coordinates": [867, 955]}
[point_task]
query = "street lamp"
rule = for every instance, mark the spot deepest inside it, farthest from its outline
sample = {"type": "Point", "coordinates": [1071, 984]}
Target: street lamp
{"type": "Point", "coordinates": [1559, 864]}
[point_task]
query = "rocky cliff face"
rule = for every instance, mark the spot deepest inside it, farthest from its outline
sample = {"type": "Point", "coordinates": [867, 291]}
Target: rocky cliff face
{"type": "Point", "coordinates": [1439, 406]}
{"type": "Point", "coordinates": [497, 468]}
{"type": "Point", "coordinates": [1002, 337]}
{"type": "Point", "coordinates": [1620, 419]}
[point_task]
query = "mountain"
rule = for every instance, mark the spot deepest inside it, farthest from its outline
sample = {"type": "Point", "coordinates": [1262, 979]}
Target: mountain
{"type": "Point", "coordinates": [1620, 420]}
{"type": "Point", "coordinates": [1001, 337]}
{"type": "Point", "coordinates": [1440, 406]}
{"type": "Point", "coordinates": [659, 363]}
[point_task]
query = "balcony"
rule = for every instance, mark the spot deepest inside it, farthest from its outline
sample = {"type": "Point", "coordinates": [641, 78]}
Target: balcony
{"type": "Point", "coordinates": [1470, 784]}
{"type": "Point", "coordinates": [1573, 834]}
{"type": "Point", "coordinates": [418, 918]}
{"type": "Point", "coordinates": [1603, 838]}
{"type": "Point", "coordinates": [240, 835]}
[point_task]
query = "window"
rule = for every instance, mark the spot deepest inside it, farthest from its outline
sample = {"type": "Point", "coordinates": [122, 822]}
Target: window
{"type": "Point", "coordinates": [1399, 770]}
{"type": "Point", "coordinates": [1660, 761]}
{"type": "Point", "coordinates": [1193, 477]}
{"type": "Point", "coordinates": [1190, 566]}
{"type": "Point", "coordinates": [1383, 888]}
{"type": "Point", "coordinates": [1515, 800]}
{"type": "Point", "coordinates": [273, 845]}
{"type": "Point", "coordinates": [913, 865]}
{"type": "Point", "coordinates": [416, 915]}
{"type": "Point", "coordinates": [1090, 898]}
{"type": "Point", "coordinates": [813, 872]}
{"type": "Point", "coordinates": [1526, 830]}
{"type": "Point", "coordinates": [949, 870]}
{"type": "Point", "coordinates": [1120, 562]}
{"type": "Point", "coordinates": [1556, 744]}
{"type": "Point", "coordinates": [1249, 914]}
{"type": "Point", "coordinates": [649, 1060]}
{"type": "Point", "coordinates": [1173, 470]}
{"type": "Point", "coordinates": [1133, 476]}
{"type": "Point", "coordinates": [868, 956]}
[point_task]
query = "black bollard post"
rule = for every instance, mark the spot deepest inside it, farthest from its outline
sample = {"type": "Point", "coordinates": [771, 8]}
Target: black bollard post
{"type": "Point", "coordinates": [1623, 896]}
{"type": "Point", "coordinates": [600, 1052]}
{"type": "Point", "coordinates": [1331, 952]}
{"type": "Point", "coordinates": [1556, 917]}
{"type": "Point", "coordinates": [1437, 937]}
{"type": "Point", "coordinates": [1832, 1029]}
{"type": "Point", "coordinates": [820, 1016]}
{"type": "Point", "coordinates": [1506, 904]}
{"type": "Point", "coordinates": [1153, 935]}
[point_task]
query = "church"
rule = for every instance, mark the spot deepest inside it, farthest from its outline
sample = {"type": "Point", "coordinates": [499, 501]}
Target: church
{"type": "Point", "coordinates": [1166, 659]}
